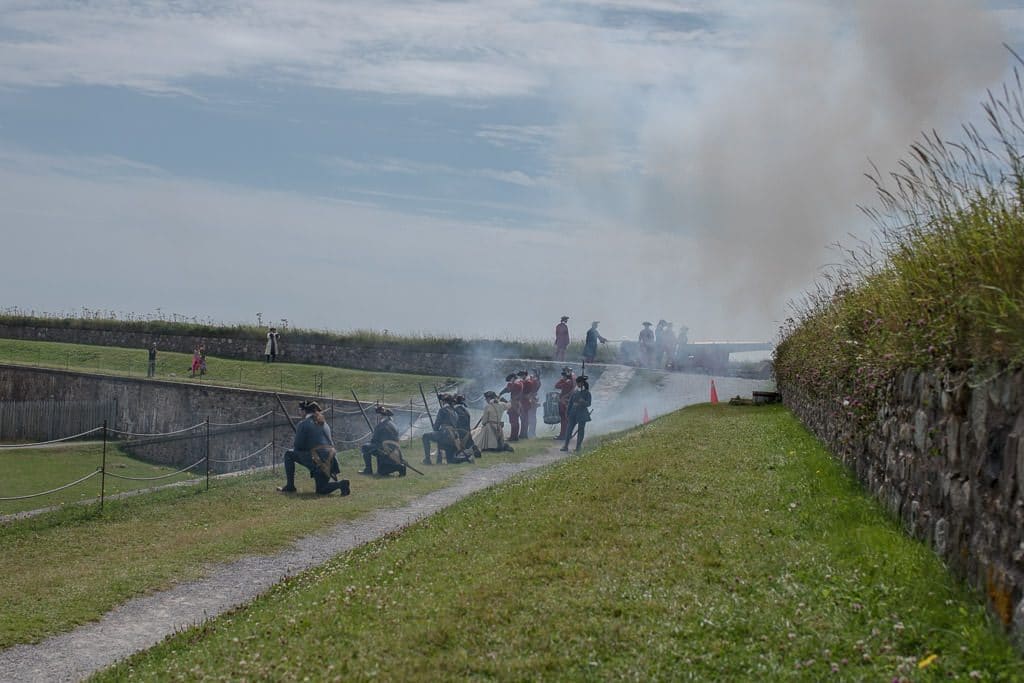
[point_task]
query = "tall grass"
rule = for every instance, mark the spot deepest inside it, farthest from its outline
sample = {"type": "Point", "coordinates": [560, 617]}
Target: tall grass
{"type": "Point", "coordinates": [942, 283]}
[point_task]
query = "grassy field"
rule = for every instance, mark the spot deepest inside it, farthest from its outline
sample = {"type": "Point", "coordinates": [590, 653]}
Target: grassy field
{"type": "Point", "coordinates": [286, 377]}
{"type": "Point", "coordinates": [718, 543]}
{"type": "Point", "coordinates": [70, 566]}
{"type": "Point", "coordinates": [27, 471]}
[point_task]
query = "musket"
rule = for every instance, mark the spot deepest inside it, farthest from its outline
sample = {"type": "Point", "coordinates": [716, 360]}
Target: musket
{"type": "Point", "coordinates": [427, 407]}
{"type": "Point", "coordinates": [387, 455]}
{"type": "Point", "coordinates": [285, 411]}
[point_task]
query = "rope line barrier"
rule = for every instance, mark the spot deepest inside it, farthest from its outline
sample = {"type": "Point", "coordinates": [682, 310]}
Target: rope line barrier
{"type": "Point", "coordinates": [178, 431]}
{"type": "Point", "coordinates": [357, 439]}
{"type": "Point", "coordinates": [46, 443]}
{"type": "Point", "coordinates": [244, 457]}
{"type": "Point", "coordinates": [163, 476]}
{"type": "Point", "coordinates": [243, 422]}
{"type": "Point", "coordinates": [59, 488]}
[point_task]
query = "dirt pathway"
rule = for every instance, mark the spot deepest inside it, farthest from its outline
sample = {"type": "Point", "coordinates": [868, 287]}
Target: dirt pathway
{"type": "Point", "coordinates": [145, 621]}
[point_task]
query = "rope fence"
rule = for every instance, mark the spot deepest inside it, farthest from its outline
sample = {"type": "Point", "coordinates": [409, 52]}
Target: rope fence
{"type": "Point", "coordinates": [243, 422]}
{"type": "Point", "coordinates": [244, 457]}
{"type": "Point", "coordinates": [52, 441]}
{"type": "Point", "coordinates": [98, 470]}
{"type": "Point", "coordinates": [103, 470]}
{"type": "Point", "coordinates": [162, 476]}
{"type": "Point", "coordinates": [173, 433]}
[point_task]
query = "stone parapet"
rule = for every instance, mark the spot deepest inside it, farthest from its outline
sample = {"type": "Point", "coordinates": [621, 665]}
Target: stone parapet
{"type": "Point", "coordinates": [945, 454]}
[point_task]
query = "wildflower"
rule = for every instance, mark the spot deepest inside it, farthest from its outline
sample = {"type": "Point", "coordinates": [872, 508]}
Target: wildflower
{"type": "Point", "coordinates": [927, 661]}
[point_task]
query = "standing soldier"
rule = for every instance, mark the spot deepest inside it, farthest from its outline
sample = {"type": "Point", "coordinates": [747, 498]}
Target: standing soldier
{"type": "Point", "coordinates": [151, 367]}
{"type": "Point", "coordinates": [531, 391]}
{"type": "Point", "coordinates": [646, 339]}
{"type": "Point", "coordinates": [524, 404]}
{"type": "Point", "coordinates": [590, 346]}
{"type": "Point", "coordinates": [565, 385]}
{"type": "Point", "coordinates": [514, 389]}
{"type": "Point", "coordinates": [578, 412]}
{"type": "Point", "coordinates": [561, 338]}
{"type": "Point", "coordinates": [492, 437]}
{"type": "Point", "coordinates": [273, 341]}
{"type": "Point", "coordinates": [668, 347]}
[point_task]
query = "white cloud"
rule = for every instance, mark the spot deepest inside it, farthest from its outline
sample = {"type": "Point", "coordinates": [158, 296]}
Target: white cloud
{"type": "Point", "coordinates": [483, 49]}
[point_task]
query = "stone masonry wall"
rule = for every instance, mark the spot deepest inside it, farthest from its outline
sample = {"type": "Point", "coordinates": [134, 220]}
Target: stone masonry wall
{"type": "Point", "coordinates": [945, 454]}
{"type": "Point", "coordinates": [155, 407]}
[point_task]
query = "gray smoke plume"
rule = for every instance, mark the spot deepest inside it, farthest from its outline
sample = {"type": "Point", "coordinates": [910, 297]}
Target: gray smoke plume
{"type": "Point", "coordinates": [761, 169]}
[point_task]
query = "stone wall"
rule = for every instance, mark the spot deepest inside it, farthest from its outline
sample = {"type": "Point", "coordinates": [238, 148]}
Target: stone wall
{"type": "Point", "coordinates": [162, 409]}
{"type": "Point", "coordinates": [381, 359]}
{"type": "Point", "coordinates": [945, 454]}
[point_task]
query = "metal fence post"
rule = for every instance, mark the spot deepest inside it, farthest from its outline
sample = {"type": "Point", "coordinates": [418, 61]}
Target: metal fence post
{"type": "Point", "coordinates": [103, 467]}
{"type": "Point", "coordinates": [207, 453]}
{"type": "Point", "coordinates": [273, 440]}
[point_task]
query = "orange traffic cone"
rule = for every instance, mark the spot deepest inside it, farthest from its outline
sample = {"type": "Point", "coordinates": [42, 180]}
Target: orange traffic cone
{"type": "Point", "coordinates": [714, 393]}
{"type": "Point", "coordinates": [646, 417]}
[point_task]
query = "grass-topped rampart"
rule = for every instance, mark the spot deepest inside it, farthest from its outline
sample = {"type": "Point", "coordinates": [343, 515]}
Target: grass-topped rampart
{"type": "Point", "coordinates": [197, 330]}
{"type": "Point", "coordinates": [942, 286]}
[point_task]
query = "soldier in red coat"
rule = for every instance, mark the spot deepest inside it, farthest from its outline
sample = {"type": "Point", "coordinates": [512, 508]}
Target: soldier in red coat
{"type": "Point", "coordinates": [565, 386]}
{"type": "Point", "coordinates": [514, 389]}
{"type": "Point", "coordinates": [531, 391]}
{"type": "Point", "coordinates": [522, 377]}
{"type": "Point", "coordinates": [561, 338]}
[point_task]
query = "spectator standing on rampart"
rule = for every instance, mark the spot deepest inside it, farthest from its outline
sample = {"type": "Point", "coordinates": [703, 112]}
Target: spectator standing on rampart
{"type": "Point", "coordinates": [151, 366]}
{"type": "Point", "coordinates": [590, 345]}
{"type": "Point", "coordinates": [273, 347]}
{"type": "Point", "coordinates": [561, 338]}
{"type": "Point", "coordinates": [646, 339]}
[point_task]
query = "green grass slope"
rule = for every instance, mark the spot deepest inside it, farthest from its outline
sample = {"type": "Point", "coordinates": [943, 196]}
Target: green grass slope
{"type": "Point", "coordinates": [34, 470]}
{"type": "Point", "coordinates": [67, 567]}
{"type": "Point", "coordinates": [287, 377]}
{"type": "Point", "coordinates": [718, 543]}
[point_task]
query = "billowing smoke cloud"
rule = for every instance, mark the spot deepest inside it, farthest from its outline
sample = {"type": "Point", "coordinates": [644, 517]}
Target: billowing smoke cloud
{"type": "Point", "coordinates": [761, 166]}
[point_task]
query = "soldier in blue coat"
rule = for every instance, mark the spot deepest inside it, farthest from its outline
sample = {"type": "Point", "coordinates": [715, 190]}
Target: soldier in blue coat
{"type": "Point", "coordinates": [313, 448]}
{"type": "Point", "coordinates": [384, 445]}
{"type": "Point", "coordinates": [578, 412]}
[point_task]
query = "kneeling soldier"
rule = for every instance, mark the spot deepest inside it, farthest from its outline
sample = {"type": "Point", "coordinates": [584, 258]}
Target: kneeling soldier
{"type": "Point", "coordinates": [313, 448]}
{"type": "Point", "coordinates": [465, 422]}
{"type": "Point", "coordinates": [384, 445]}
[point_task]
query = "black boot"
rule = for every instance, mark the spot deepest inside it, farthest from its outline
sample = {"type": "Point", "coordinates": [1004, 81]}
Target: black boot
{"type": "Point", "coordinates": [289, 474]}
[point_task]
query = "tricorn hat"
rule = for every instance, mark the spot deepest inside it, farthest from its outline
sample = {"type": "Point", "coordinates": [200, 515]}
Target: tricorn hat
{"type": "Point", "coordinates": [310, 406]}
{"type": "Point", "coordinates": [510, 376]}
{"type": "Point", "coordinates": [459, 398]}
{"type": "Point", "coordinates": [564, 318]}
{"type": "Point", "coordinates": [646, 324]}
{"type": "Point", "coordinates": [522, 373]}
{"type": "Point", "coordinates": [490, 394]}
{"type": "Point", "coordinates": [581, 379]}
{"type": "Point", "coordinates": [386, 412]}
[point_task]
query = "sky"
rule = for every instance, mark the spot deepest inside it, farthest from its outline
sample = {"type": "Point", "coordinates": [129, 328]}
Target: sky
{"type": "Point", "coordinates": [468, 168]}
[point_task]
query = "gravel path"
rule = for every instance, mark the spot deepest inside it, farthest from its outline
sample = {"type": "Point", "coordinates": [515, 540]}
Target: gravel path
{"type": "Point", "coordinates": [145, 621]}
